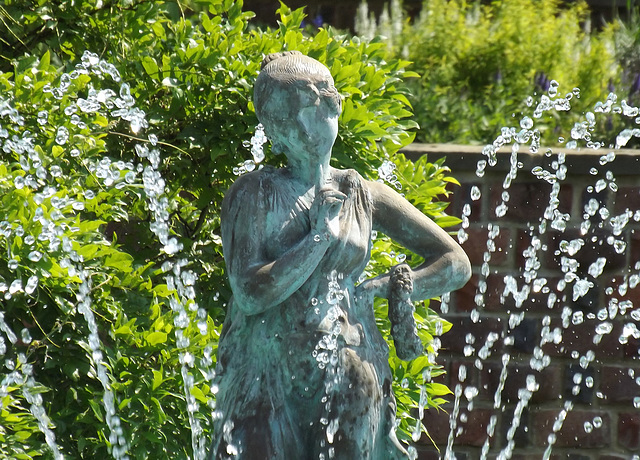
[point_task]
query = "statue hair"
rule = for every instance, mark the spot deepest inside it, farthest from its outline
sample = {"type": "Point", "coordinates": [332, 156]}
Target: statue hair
{"type": "Point", "coordinates": [286, 70]}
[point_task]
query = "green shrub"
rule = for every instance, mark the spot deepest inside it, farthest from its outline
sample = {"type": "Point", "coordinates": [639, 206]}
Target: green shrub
{"type": "Point", "coordinates": [118, 310]}
{"type": "Point", "coordinates": [480, 63]}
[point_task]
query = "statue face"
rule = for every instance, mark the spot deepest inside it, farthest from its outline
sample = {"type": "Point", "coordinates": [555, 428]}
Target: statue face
{"type": "Point", "coordinates": [312, 127]}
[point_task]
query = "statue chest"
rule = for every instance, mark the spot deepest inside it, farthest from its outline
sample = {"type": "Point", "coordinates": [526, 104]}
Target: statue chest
{"type": "Point", "coordinates": [289, 225]}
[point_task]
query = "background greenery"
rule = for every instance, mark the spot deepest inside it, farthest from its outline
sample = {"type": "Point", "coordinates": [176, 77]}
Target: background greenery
{"type": "Point", "coordinates": [483, 64]}
{"type": "Point", "coordinates": [98, 301]}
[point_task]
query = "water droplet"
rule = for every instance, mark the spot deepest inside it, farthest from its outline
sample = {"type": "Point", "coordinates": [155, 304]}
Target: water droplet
{"type": "Point", "coordinates": [385, 171]}
{"type": "Point", "coordinates": [70, 110]}
{"type": "Point", "coordinates": [55, 171]}
{"type": "Point", "coordinates": [88, 105]}
{"type": "Point", "coordinates": [62, 135]}
{"type": "Point", "coordinates": [26, 338]}
{"type": "Point", "coordinates": [249, 165]}
{"type": "Point", "coordinates": [35, 256]}
{"type": "Point", "coordinates": [475, 193]}
{"type": "Point", "coordinates": [130, 177]}
{"type": "Point", "coordinates": [16, 286]}
{"type": "Point", "coordinates": [32, 284]}
{"type": "Point", "coordinates": [18, 182]}
{"type": "Point", "coordinates": [526, 123]}
{"type": "Point", "coordinates": [43, 116]}
{"type": "Point", "coordinates": [597, 422]}
{"type": "Point", "coordinates": [172, 246]}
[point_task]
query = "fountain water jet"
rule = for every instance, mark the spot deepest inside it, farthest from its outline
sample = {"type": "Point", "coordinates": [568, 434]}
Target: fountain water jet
{"type": "Point", "coordinates": [56, 213]}
{"type": "Point", "coordinates": [598, 225]}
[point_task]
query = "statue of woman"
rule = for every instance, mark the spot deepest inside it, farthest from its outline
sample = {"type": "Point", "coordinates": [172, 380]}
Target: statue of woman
{"type": "Point", "coordinates": [302, 369]}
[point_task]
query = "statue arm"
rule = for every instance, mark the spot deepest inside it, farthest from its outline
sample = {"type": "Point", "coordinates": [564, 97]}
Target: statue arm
{"type": "Point", "coordinates": [258, 283]}
{"type": "Point", "coordinates": [446, 267]}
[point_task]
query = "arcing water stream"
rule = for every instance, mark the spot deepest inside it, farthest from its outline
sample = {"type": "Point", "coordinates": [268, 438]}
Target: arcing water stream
{"type": "Point", "coordinates": [56, 216]}
{"type": "Point", "coordinates": [560, 288]}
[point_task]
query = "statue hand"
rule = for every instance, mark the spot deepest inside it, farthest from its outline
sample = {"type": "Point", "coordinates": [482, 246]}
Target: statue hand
{"type": "Point", "coordinates": [398, 283]}
{"type": "Point", "coordinates": [401, 282]}
{"type": "Point", "coordinates": [324, 213]}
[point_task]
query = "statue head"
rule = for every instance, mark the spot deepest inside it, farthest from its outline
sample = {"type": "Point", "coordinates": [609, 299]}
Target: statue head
{"type": "Point", "coordinates": [289, 85]}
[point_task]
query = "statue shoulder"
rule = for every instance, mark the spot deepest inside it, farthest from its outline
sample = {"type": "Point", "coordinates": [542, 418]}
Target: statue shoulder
{"type": "Point", "coordinates": [350, 179]}
{"type": "Point", "coordinates": [248, 188]}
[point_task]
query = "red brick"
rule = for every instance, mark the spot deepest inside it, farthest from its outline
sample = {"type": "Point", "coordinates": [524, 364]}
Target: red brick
{"type": "Point", "coordinates": [428, 453]}
{"type": "Point", "coordinates": [549, 381]}
{"type": "Point", "coordinates": [527, 456]}
{"type": "Point", "coordinates": [631, 349]}
{"type": "Point", "coordinates": [454, 340]}
{"type": "Point", "coordinates": [569, 455]}
{"type": "Point", "coordinates": [634, 243]}
{"type": "Point", "coordinates": [627, 198]}
{"type": "Point", "coordinates": [437, 424]}
{"type": "Point", "coordinates": [528, 200]}
{"type": "Point", "coordinates": [461, 197]}
{"type": "Point", "coordinates": [595, 245]}
{"type": "Point", "coordinates": [474, 430]}
{"type": "Point", "coordinates": [463, 300]}
{"type": "Point", "coordinates": [572, 433]}
{"type": "Point", "coordinates": [579, 337]}
{"type": "Point", "coordinates": [472, 376]}
{"type": "Point", "coordinates": [629, 430]}
{"type": "Point", "coordinates": [617, 385]}
{"type": "Point", "coordinates": [476, 245]}
{"type": "Point", "coordinates": [493, 298]}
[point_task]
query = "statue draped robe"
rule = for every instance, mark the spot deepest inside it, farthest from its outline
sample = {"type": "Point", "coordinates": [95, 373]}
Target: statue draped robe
{"type": "Point", "coordinates": [309, 376]}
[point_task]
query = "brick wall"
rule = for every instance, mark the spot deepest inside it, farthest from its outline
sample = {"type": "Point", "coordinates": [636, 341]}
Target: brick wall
{"type": "Point", "coordinates": [597, 383]}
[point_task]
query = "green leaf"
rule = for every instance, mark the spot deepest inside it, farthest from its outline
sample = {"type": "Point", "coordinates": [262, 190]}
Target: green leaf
{"type": "Point", "coordinates": [119, 260]}
{"type": "Point", "coordinates": [157, 379]}
{"type": "Point", "coordinates": [154, 338]}
{"type": "Point", "coordinates": [45, 61]}
{"type": "Point", "coordinates": [447, 221]}
{"type": "Point", "coordinates": [439, 389]}
{"type": "Point", "coordinates": [199, 395]}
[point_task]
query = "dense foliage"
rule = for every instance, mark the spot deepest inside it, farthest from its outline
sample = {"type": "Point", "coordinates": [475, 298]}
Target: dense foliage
{"type": "Point", "coordinates": [482, 64]}
{"type": "Point", "coordinates": [122, 124]}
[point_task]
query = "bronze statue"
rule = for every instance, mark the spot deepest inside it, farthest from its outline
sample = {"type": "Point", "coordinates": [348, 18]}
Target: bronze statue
{"type": "Point", "coordinates": [302, 370]}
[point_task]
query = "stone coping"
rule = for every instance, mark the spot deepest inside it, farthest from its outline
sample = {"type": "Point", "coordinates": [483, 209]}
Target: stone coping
{"type": "Point", "coordinates": [462, 158]}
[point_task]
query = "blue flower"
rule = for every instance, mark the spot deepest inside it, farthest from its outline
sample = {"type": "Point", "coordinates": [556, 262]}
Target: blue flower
{"type": "Point", "coordinates": [635, 87]}
{"type": "Point", "coordinates": [541, 81]}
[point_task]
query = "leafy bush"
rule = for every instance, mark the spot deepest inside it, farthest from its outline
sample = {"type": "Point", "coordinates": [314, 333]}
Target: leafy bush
{"type": "Point", "coordinates": [112, 171]}
{"type": "Point", "coordinates": [481, 64]}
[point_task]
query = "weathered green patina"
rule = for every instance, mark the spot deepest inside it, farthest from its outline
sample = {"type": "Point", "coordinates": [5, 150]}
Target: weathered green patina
{"type": "Point", "coordinates": [303, 371]}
